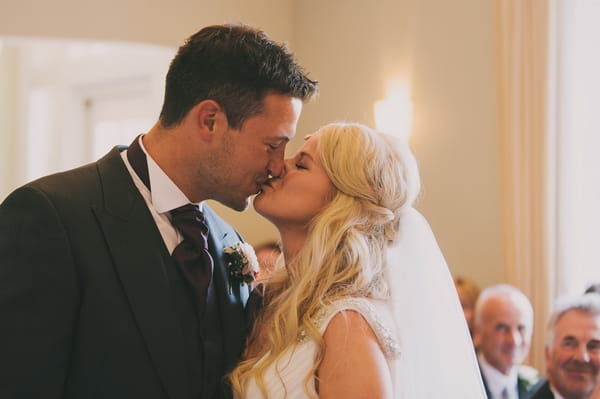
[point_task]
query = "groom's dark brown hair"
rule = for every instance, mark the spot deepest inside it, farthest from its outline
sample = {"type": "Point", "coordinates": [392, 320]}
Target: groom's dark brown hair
{"type": "Point", "coordinates": [234, 65]}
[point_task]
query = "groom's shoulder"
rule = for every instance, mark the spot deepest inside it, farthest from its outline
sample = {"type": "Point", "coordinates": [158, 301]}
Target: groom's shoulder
{"type": "Point", "coordinates": [76, 186]}
{"type": "Point", "coordinates": [80, 173]}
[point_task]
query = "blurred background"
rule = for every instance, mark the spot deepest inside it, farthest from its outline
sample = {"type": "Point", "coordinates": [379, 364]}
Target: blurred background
{"type": "Point", "coordinates": [498, 99]}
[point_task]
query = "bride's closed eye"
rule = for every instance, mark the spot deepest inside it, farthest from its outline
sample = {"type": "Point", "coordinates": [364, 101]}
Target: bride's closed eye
{"type": "Point", "coordinates": [301, 161]}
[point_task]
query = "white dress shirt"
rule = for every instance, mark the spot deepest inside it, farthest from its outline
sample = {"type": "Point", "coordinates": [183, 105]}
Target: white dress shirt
{"type": "Point", "coordinates": [555, 393]}
{"type": "Point", "coordinates": [497, 381]}
{"type": "Point", "coordinates": [164, 197]}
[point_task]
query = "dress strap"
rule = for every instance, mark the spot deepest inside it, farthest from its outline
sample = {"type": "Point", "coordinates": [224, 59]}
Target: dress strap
{"type": "Point", "coordinates": [384, 332]}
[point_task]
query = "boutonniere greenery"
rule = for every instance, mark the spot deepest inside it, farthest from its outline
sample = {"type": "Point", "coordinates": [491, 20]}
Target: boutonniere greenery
{"type": "Point", "coordinates": [528, 377]}
{"type": "Point", "coordinates": [242, 263]}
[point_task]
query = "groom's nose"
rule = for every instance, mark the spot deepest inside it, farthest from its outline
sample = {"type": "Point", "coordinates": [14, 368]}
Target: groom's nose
{"type": "Point", "coordinates": [276, 166]}
{"type": "Point", "coordinates": [286, 165]}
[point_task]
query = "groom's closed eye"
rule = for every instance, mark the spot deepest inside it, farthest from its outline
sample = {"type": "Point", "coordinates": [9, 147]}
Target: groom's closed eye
{"type": "Point", "coordinates": [276, 143]}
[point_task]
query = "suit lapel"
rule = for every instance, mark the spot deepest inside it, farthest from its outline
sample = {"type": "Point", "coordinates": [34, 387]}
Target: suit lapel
{"type": "Point", "coordinates": [541, 391]}
{"type": "Point", "coordinates": [546, 392]}
{"type": "Point", "coordinates": [231, 299]}
{"type": "Point", "coordinates": [522, 387]}
{"type": "Point", "coordinates": [140, 259]}
{"type": "Point", "coordinates": [487, 391]}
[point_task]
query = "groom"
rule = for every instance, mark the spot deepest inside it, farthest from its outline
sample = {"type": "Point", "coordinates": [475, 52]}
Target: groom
{"type": "Point", "coordinates": [94, 302]}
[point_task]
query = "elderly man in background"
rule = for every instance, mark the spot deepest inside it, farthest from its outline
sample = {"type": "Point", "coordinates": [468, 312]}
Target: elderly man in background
{"type": "Point", "coordinates": [502, 337]}
{"type": "Point", "coordinates": [572, 350]}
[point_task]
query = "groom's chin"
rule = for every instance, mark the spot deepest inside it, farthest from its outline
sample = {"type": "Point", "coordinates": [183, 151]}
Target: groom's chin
{"type": "Point", "coordinates": [239, 205]}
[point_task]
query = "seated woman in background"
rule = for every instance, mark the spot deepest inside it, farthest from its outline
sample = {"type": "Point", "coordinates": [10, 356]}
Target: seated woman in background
{"type": "Point", "coordinates": [468, 292]}
{"type": "Point", "coordinates": [362, 303]}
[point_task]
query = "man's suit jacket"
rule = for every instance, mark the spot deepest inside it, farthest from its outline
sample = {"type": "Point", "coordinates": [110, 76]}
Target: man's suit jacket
{"type": "Point", "coordinates": [86, 309]}
{"type": "Point", "coordinates": [541, 391]}
{"type": "Point", "coordinates": [523, 385]}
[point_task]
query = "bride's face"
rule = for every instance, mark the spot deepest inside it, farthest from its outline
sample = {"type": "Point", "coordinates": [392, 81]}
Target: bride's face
{"type": "Point", "coordinates": [300, 193]}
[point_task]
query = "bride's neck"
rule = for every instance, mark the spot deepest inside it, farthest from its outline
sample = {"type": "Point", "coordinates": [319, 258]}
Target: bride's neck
{"type": "Point", "coordinates": [292, 241]}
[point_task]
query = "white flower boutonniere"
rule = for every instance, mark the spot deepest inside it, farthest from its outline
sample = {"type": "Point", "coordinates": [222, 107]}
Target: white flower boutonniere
{"type": "Point", "coordinates": [241, 263]}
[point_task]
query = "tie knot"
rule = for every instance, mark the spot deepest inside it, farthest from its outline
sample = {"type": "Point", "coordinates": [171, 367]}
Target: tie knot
{"type": "Point", "coordinates": [188, 215]}
{"type": "Point", "coordinates": [188, 211]}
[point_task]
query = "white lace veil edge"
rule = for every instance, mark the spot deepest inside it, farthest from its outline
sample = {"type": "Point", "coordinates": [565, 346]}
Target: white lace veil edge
{"type": "Point", "coordinates": [436, 359]}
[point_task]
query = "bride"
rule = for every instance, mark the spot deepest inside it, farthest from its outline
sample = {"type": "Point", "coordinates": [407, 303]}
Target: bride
{"type": "Point", "coordinates": [361, 304]}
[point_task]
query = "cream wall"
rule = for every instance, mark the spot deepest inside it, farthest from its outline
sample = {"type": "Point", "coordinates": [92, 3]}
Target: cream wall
{"type": "Point", "coordinates": [444, 51]}
{"type": "Point", "coordinates": [7, 123]}
{"type": "Point", "coordinates": [157, 21]}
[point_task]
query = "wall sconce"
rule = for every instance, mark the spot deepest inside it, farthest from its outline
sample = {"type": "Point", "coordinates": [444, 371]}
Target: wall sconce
{"type": "Point", "coordinates": [393, 115]}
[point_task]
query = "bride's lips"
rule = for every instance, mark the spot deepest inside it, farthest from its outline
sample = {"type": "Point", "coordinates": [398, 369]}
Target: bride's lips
{"type": "Point", "coordinates": [263, 185]}
{"type": "Point", "coordinates": [268, 182]}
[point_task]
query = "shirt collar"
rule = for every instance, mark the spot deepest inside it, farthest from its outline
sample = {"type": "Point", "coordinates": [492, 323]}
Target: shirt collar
{"type": "Point", "coordinates": [165, 194]}
{"type": "Point", "coordinates": [496, 380]}
{"type": "Point", "coordinates": [556, 394]}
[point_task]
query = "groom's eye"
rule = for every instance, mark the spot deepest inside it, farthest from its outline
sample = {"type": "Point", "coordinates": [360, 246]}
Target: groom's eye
{"type": "Point", "coordinates": [274, 145]}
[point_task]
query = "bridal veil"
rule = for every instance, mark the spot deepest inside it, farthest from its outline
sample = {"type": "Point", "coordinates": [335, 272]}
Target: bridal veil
{"type": "Point", "coordinates": [437, 359]}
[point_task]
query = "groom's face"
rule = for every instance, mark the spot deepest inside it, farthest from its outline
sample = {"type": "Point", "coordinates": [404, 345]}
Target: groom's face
{"type": "Point", "coordinates": [244, 158]}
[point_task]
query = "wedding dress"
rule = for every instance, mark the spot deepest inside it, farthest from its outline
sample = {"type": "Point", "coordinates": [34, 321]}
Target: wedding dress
{"type": "Point", "coordinates": [427, 344]}
{"type": "Point", "coordinates": [288, 378]}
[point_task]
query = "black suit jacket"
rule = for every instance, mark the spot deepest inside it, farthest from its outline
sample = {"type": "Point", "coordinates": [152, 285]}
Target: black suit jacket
{"type": "Point", "coordinates": [541, 391]}
{"type": "Point", "coordinates": [86, 309]}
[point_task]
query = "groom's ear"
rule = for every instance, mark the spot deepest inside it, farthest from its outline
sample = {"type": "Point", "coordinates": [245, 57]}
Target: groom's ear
{"type": "Point", "coordinates": [209, 119]}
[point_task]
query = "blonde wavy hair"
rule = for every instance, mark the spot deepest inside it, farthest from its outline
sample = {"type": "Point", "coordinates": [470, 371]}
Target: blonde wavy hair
{"type": "Point", "coordinates": [374, 178]}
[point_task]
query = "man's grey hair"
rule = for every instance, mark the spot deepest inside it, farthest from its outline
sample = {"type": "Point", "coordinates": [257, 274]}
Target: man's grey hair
{"type": "Point", "coordinates": [516, 296]}
{"type": "Point", "coordinates": [587, 303]}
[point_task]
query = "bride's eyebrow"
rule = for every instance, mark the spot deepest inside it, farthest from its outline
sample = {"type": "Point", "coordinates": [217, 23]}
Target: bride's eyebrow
{"type": "Point", "coordinates": [303, 154]}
